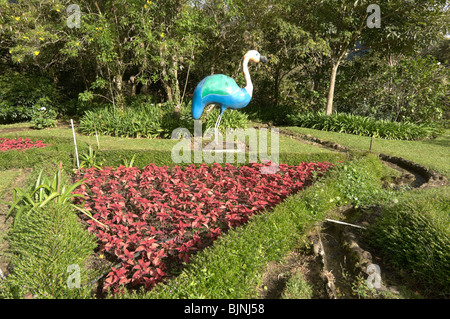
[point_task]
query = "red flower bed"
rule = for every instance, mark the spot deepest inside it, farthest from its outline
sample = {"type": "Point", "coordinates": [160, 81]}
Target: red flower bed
{"type": "Point", "coordinates": [158, 216]}
{"type": "Point", "coordinates": [18, 144]}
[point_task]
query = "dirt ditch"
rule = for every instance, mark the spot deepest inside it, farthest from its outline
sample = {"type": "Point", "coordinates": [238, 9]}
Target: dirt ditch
{"type": "Point", "coordinates": [338, 263]}
{"type": "Point", "coordinates": [413, 175]}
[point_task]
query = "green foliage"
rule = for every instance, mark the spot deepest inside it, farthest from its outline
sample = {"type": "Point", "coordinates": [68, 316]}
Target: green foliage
{"type": "Point", "coordinates": [140, 121]}
{"type": "Point", "coordinates": [151, 120]}
{"type": "Point", "coordinates": [89, 159]}
{"type": "Point", "coordinates": [232, 119]}
{"type": "Point", "coordinates": [297, 288]}
{"type": "Point", "coordinates": [44, 191]}
{"type": "Point", "coordinates": [22, 96]}
{"type": "Point", "coordinates": [43, 115]}
{"type": "Point", "coordinates": [360, 182]}
{"type": "Point", "coordinates": [414, 90]}
{"type": "Point", "coordinates": [57, 149]}
{"type": "Point", "coordinates": [42, 246]}
{"type": "Point", "coordinates": [163, 46]}
{"type": "Point", "coordinates": [414, 235]}
{"type": "Point", "coordinates": [432, 154]}
{"type": "Point", "coordinates": [364, 126]}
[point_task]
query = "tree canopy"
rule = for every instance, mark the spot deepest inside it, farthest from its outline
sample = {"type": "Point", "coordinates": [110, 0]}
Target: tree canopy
{"type": "Point", "coordinates": [120, 48]}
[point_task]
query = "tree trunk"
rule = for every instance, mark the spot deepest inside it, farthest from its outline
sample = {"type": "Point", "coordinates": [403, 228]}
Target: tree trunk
{"type": "Point", "coordinates": [276, 87]}
{"type": "Point", "coordinates": [119, 96]}
{"type": "Point", "coordinates": [331, 90]}
{"type": "Point", "coordinates": [176, 87]}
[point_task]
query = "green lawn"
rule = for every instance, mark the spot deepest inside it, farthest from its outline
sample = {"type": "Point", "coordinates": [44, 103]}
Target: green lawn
{"type": "Point", "coordinates": [286, 144]}
{"type": "Point", "coordinates": [106, 142]}
{"type": "Point", "coordinates": [115, 143]}
{"type": "Point", "coordinates": [434, 154]}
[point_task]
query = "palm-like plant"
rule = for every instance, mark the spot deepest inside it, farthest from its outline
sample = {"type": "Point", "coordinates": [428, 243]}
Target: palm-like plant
{"type": "Point", "coordinates": [44, 191]}
{"type": "Point", "coordinates": [89, 159]}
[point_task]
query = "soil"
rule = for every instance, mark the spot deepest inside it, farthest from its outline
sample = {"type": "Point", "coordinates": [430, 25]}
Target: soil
{"type": "Point", "coordinates": [335, 266]}
{"type": "Point", "coordinates": [277, 275]}
{"type": "Point", "coordinates": [6, 224]}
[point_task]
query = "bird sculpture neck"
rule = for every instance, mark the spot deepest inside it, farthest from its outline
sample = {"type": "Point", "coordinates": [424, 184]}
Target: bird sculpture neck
{"type": "Point", "coordinates": [248, 80]}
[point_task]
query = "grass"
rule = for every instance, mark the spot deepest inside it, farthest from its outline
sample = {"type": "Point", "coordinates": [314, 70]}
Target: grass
{"type": "Point", "coordinates": [297, 288]}
{"type": "Point", "coordinates": [8, 178]}
{"type": "Point", "coordinates": [232, 267]}
{"type": "Point", "coordinates": [119, 143]}
{"type": "Point", "coordinates": [433, 153]}
{"type": "Point", "coordinates": [114, 150]}
{"type": "Point", "coordinates": [44, 245]}
{"type": "Point", "coordinates": [364, 126]}
{"type": "Point", "coordinates": [106, 142]}
{"type": "Point", "coordinates": [414, 234]}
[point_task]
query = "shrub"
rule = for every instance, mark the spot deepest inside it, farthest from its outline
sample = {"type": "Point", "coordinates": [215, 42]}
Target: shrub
{"type": "Point", "coordinates": [43, 115]}
{"type": "Point", "coordinates": [364, 126]}
{"type": "Point", "coordinates": [141, 121]}
{"type": "Point", "coordinates": [42, 247]}
{"type": "Point", "coordinates": [232, 119]}
{"type": "Point", "coordinates": [20, 93]}
{"type": "Point", "coordinates": [414, 235]}
{"type": "Point", "coordinates": [144, 119]}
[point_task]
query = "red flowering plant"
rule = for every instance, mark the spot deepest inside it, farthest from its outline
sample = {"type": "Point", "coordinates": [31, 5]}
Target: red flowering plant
{"type": "Point", "coordinates": [18, 144]}
{"type": "Point", "coordinates": [156, 216]}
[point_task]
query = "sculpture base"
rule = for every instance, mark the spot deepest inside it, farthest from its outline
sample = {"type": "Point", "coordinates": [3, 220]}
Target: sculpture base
{"type": "Point", "coordinates": [224, 147]}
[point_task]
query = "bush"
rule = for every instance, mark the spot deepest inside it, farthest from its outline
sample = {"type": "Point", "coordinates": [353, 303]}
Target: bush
{"type": "Point", "coordinates": [43, 245]}
{"type": "Point", "coordinates": [414, 235]}
{"type": "Point", "coordinates": [141, 121]}
{"type": "Point", "coordinates": [232, 119]}
{"type": "Point", "coordinates": [144, 118]}
{"type": "Point", "coordinates": [20, 94]}
{"type": "Point", "coordinates": [43, 115]}
{"type": "Point", "coordinates": [413, 89]}
{"type": "Point", "coordinates": [364, 126]}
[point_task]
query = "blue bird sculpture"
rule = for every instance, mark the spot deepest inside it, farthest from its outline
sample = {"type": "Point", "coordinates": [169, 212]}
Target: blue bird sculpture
{"type": "Point", "coordinates": [223, 91]}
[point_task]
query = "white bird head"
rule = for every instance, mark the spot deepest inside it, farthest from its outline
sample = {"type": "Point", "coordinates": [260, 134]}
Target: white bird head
{"type": "Point", "coordinates": [255, 56]}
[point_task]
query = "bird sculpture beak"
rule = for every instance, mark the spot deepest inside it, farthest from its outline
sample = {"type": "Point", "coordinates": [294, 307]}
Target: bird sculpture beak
{"type": "Point", "coordinates": [263, 59]}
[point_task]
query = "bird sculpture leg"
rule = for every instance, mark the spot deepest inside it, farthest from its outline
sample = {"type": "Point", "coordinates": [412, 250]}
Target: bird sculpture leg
{"type": "Point", "coordinates": [216, 127]}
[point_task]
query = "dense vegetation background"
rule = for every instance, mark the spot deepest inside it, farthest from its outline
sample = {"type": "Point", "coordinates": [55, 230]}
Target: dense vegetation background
{"type": "Point", "coordinates": [323, 57]}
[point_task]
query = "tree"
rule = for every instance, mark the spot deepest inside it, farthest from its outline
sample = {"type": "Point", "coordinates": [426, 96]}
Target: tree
{"type": "Point", "coordinates": [145, 41]}
{"type": "Point", "coordinates": [179, 27]}
{"type": "Point", "coordinates": [405, 26]}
